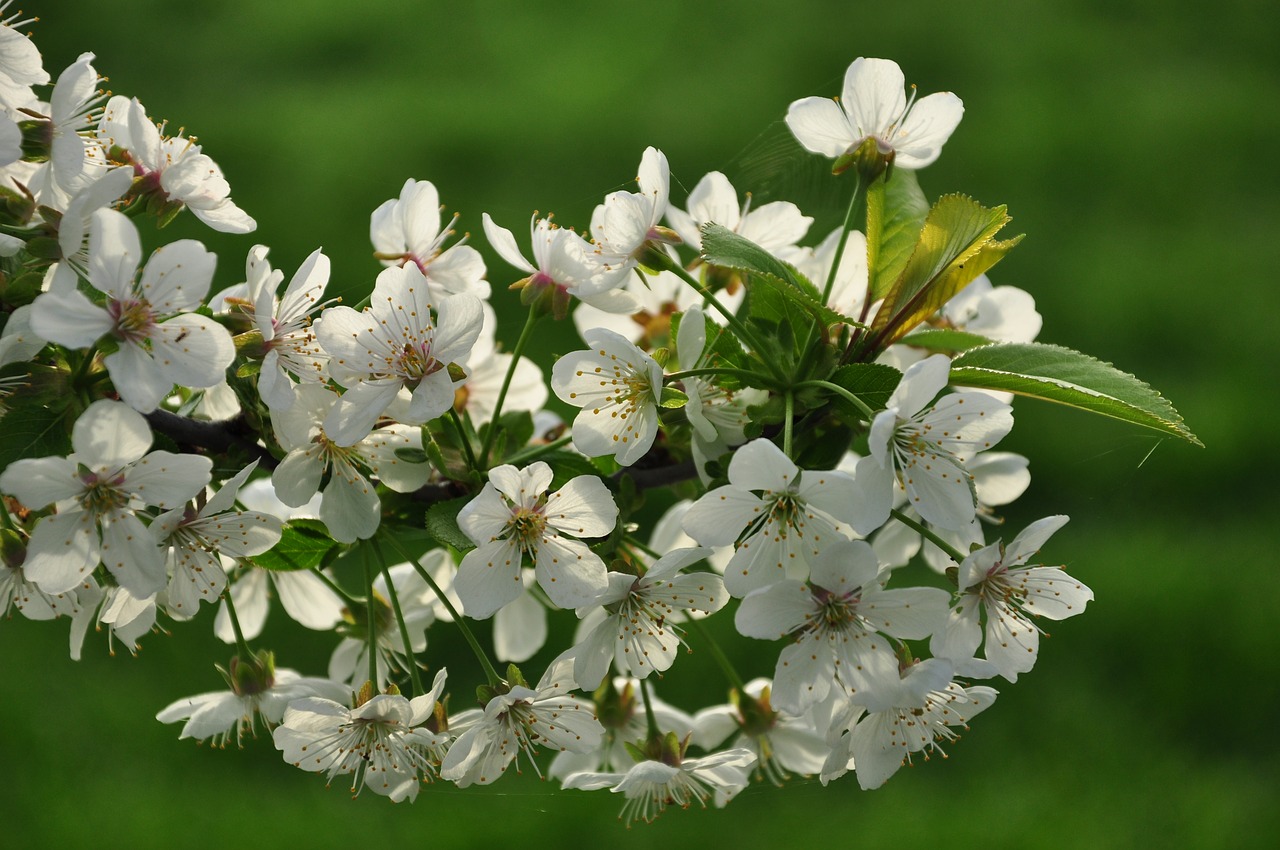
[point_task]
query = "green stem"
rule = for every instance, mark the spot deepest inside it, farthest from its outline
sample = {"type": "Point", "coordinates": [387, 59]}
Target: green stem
{"type": "Point", "coordinates": [534, 452]}
{"type": "Point", "coordinates": [523, 341]}
{"type": "Point", "coordinates": [464, 440]}
{"type": "Point", "coordinates": [652, 722]}
{"type": "Point", "coordinates": [490, 673]}
{"type": "Point", "coordinates": [373, 622]}
{"type": "Point", "coordinates": [844, 239]}
{"type": "Point", "coordinates": [790, 401]}
{"type": "Point", "coordinates": [242, 645]}
{"type": "Point", "coordinates": [726, 666]}
{"type": "Point", "coordinates": [411, 659]}
{"type": "Point", "coordinates": [352, 602]}
{"type": "Point", "coordinates": [712, 370]}
{"type": "Point", "coordinates": [843, 393]}
{"type": "Point", "coordinates": [951, 551]}
{"type": "Point", "coordinates": [734, 322]}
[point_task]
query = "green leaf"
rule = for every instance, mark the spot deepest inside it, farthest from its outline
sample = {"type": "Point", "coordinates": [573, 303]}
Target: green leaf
{"type": "Point", "coordinates": [33, 430]}
{"type": "Point", "coordinates": [873, 383]}
{"type": "Point", "coordinates": [672, 398]}
{"type": "Point", "coordinates": [722, 247]}
{"type": "Point", "coordinates": [442, 524]}
{"type": "Point", "coordinates": [896, 212]}
{"type": "Point", "coordinates": [945, 339]}
{"type": "Point", "coordinates": [304, 545]}
{"type": "Point", "coordinates": [1054, 373]}
{"type": "Point", "coordinates": [956, 244]}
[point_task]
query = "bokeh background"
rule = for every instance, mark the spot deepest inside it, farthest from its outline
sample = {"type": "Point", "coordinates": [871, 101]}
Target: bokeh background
{"type": "Point", "coordinates": [1134, 142]}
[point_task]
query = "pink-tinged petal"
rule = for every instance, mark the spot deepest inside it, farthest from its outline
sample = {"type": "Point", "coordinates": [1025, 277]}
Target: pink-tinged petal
{"type": "Point", "coordinates": [131, 556]}
{"type": "Point", "coordinates": [349, 506]}
{"type": "Point", "coordinates": [69, 318]}
{"type": "Point", "coordinates": [940, 490]}
{"type": "Point", "coordinates": [931, 122]}
{"type": "Point", "coordinates": [963, 423]}
{"type": "Point", "coordinates": [379, 452]}
{"type": "Point", "coordinates": [193, 350]}
{"type": "Point", "coordinates": [1050, 592]}
{"type": "Point", "coordinates": [1032, 538]}
{"type": "Point", "coordinates": [1012, 641]}
{"type": "Point", "coordinates": [961, 634]}
{"type": "Point", "coordinates": [308, 600]}
{"type": "Point", "coordinates": [431, 398]}
{"type": "Point", "coordinates": [520, 628]}
{"type": "Point", "coordinates": [909, 613]}
{"type": "Point", "coordinates": [821, 126]}
{"type": "Point", "coordinates": [460, 319]}
{"type": "Point", "coordinates": [720, 516]}
{"type": "Point", "coordinates": [761, 465]}
{"type": "Point", "coordinates": [109, 435]}
{"type": "Point", "coordinates": [999, 477]}
{"type": "Point", "coordinates": [831, 492]}
{"type": "Point", "coordinates": [504, 243]}
{"type": "Point", "coordinates": [875, 483]}
{"type": "Point", "coordinates": [114, 253]}
{"type": "Point", "coordinates": [845, 566]}
{"type": "Point", "coordinates": [298, 476]}
{"type": "Point", "coordinates": [583, 507]}
{"type": "Point", "coordinates": [177, 277]}
{"type": "Point", "coordinates": [803, 676]}
{"type": "Point", "coordinates": [36, 482]}
{"type": "Point", "coordinates": [774, 611]}
{"type": "Point", "coordinates": [489, 578]}
{"type": "Point", "coordinates": [459, 271]}
{"type": "Point", "coordinates": [570, 573]}
{"type": "Point", "coordinates": [139, 380]}
{"type": "Point", "coordinates": [167, 480]}
{"type": "Point", "coordinates": [357, 411]}
{"type": "Point", "coordinates": [873, 95]}
{"type": "Point", "coordinates": [778, 226]}
{"type": "Point", "coordinates": [62, 551]}
{"type": "Point", "coordinates": [920, 384]}
{"type": "Point", "coordinates": [714, 199]}
{"type": "Point", "coordinates": [486, 517]}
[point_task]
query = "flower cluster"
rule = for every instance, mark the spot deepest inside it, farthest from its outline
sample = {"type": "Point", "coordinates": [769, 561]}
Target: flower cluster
{"type": "Point", "coordinates": [817, 421]}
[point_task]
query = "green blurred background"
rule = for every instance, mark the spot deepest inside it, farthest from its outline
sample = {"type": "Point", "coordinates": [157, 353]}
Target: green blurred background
{"type": "Point", "coordinates": [1132, 142]}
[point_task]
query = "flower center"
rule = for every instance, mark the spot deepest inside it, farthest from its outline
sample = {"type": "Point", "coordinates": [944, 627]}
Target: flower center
{"type": "Point", "coordinates": [133, 320]}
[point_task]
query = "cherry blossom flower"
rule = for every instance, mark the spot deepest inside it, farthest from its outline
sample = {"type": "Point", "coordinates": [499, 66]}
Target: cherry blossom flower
{"type": "Point", "coordinates": [618, 387]}
{"type": "Point", "coordinates": [349, 507]}
{"type": "Point", "coordinates": [395, 345]}
{"type": "Point", "coordinates": [565, 265]}
{"type": "Point", "coordinates": [780, 532]}
{"type": "Point", "coordinates": [257, 696]}
{"type": "Point", "coordinates": [161, 343]}
{"type": "Point", "coordinates": [383, 742]}
{"type": "Point", "coordinates": [995, 585]}
{"type": "Point", "coordinates": [624, 717]}
{"type": "Point", "coordinates": [783, 743]}
{"type": "Point", "coordinates": [172, 169]}
{"type": "Point", "coordinates": [927, 708]}
{"type": "Point", "coordinates": [775, 227]}
{"type": "Point", "coordinates": [926, 449]}
{"type": "Point", "coordinates": [633, 624]}
{"type": "Point", "coordinates": [407, 230]}
{"type": "Point", "coordinates": [656, 298]}
{"type": "Point", "coordinates": [97, 489]}
{"type": "Point", "coordinates": [838, 619]}
{"type": "Point", "coordinates": [650, 786]}
{"type": "Point", "coordinates": [195, 537]}
{"type": "Point", "coordinates": [285, 324]}
{"type": "Point", "coordinates": [514, 517]}
{"type": "Point", "coordinates": [521, 720]}
{"type": "Point", "coordinates": [873, 106]}
{"type": "Point", "coordinates": [626, 224]}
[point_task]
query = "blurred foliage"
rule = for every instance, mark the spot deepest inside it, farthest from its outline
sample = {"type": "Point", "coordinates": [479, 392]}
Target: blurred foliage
{"type": "Point", "coordinates": [1132, 142]}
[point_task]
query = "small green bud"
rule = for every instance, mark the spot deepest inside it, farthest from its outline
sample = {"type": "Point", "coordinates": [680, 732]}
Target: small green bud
{"type": "Point", "coordinates": [13, 550]}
